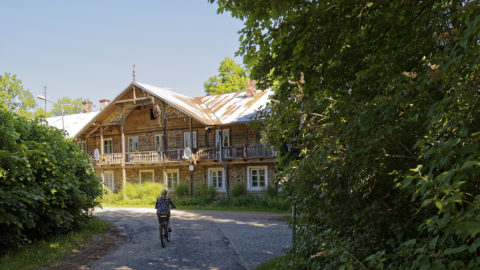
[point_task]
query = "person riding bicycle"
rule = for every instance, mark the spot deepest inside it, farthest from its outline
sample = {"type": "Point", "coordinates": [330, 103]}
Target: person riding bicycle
{"type": "Point", "coordinates": [163, 208]}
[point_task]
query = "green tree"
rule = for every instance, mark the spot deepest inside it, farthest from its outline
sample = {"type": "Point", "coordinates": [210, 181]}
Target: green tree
{"type": "Point", "coordinates": [231, 78]}
{"type": "Point", "coordinates": [68, 105]}
{"type": "Point", "coordinates": [13, 96]}
{"type": "Point", "coordinates": [375, 119]}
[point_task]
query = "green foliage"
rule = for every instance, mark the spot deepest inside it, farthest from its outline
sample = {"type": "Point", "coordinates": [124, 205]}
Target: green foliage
{"type": "Point", "coordinates": [250, 201]}
{"type": "Point", "coordinates": [182, 190]}
{"type": "Point", "coordinates": [231, 78]}
{"type": "Point", "coordinates": [144, 194]}
{"type": "Point", "coordinates": [68, 105]}
{"type": "Point", "coordinates": [375, 119]}
{"type": "Point", "coordinates": [13, 97]}
{"type": "Point", "coordinates": [270, 192]}
{"type": "Point", "coordinates": [238, 190]}
{"type": "Point", "coordinates": [209, 192]}
{"type": "Point", "coordinates": [46, 252]}
{"type": "Point", "coordinates": [47, 185]}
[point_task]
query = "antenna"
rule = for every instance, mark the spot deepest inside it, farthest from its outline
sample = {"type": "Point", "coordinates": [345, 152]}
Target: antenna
{"type": "Point", "coordinates": [45, 95]}
{"type": "Point", "coordinates": [133, 72]}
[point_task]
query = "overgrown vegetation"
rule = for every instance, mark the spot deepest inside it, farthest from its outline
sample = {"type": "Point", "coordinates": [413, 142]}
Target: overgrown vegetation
{"type": "Point", "coordinates": [144, 194]}
{"type": "Point", "coordinates": [376, 121]}
{"type": "Point", "coordinates": [47, 185]}
{"type": "Point", "coordinates": [46, 252]}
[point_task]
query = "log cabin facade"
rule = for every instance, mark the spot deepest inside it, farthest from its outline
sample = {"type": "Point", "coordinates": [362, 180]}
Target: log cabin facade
{"type": "Point", "coordinates": [153, 134]}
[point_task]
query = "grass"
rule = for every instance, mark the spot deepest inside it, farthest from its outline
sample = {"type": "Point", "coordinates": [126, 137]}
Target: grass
{"type": "Point", "coordinates": [273, 264]}
{"type": "Point", "coordinates": [138, 195]}
{"type": "Point", "coordinates": [46, 252]}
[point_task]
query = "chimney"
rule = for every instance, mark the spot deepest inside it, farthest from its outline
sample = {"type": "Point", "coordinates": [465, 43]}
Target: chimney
{"type": "Point", "coordinates": [251, 90]}
{"type": "Point", "coordinates": [86, 106]}
{"type": "Point", "coordinates": [104, 103]}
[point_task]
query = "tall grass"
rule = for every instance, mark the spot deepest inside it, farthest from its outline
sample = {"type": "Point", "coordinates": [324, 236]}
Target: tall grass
{"type": "Point", "coordinates": [144, 194]}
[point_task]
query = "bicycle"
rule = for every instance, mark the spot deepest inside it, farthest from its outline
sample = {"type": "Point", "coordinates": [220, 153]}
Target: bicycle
{"type": "Point", "coordinates": [164, 233]}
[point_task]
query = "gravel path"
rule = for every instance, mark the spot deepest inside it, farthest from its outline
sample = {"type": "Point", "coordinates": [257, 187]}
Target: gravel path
{"type": "Point", "coordinates": [200, 240]}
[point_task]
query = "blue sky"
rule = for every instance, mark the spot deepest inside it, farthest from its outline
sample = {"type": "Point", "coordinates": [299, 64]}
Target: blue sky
{"type": "Point", "coordinates": [87, 48]}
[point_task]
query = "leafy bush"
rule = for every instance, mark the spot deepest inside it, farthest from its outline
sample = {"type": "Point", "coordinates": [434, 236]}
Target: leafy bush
{"type": "Point", "coordinates": [47, 184]}
{"type": "Point", "coordinates": [270, 192]}
{"type": "Point", "coordinates": [253, 202]}
{"type": "Point", "coordinates": [239, 189]}
{"type": "Point", "coordinates": [137, 194]}
{"type": "Point", "coordinates": [182, 190]}
{"type": "Point", "coordinates": [195, 201]}
{"type": "Point", "coordinates": [209, 192]}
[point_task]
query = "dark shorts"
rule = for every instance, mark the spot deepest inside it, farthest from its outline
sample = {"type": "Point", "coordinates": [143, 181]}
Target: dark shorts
{"type": "Point", "coordinates": [160, 219]}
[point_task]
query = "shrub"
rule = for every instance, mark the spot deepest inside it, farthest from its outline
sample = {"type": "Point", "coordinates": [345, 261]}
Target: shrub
{"type": "Point", "coordinates": [47, 184]}
{"type": "Point", "coordinates": [182, 190]}
{"type": "Point", "coordinates": [137, 194]}
{"type": "Point", "coordinates": [239, 189]}
{"type": "Point", "coordinates": [270, 192]}
{"type": "Point", "coordinates": [209, 192]}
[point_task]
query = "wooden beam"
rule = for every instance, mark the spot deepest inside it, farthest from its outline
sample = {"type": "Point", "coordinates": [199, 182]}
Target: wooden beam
{"type": "Point", "coordinates": [134, 100]}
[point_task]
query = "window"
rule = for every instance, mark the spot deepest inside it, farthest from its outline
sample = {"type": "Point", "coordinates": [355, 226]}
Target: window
{"type": "Point", "coordinates": [152, 115]}
{"type": "Point", "coordinates": [159, 143]}
{"type": "Point", "coordinates": [215, 178]}
{"type": "Point", "coordinates": [146, 176]}
{"type": "Point", "coordinates": [133, 144]}
{"type": "Point", "coordinates": [172, 178]}
{"type": "Point", "coordinates": [107, 146]}
{"type": "Point", "coordinates": [257, 177]}
{"type": "Point", "coordinates": [186, 139]}
{"type": "Point", "coordinates": [108, 178]}
{"type": "Point", "coordinates": [226, 138]}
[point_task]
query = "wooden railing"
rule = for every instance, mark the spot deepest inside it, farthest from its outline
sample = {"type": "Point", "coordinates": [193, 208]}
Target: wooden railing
{"type": "Point", "coordinates": [228, 153]}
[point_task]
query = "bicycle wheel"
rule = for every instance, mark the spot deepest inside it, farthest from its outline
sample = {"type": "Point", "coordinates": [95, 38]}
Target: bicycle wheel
{"type": "Point", "coordinates": [162, 235]}
{"type": "Point", "coordinates": [168, 236]}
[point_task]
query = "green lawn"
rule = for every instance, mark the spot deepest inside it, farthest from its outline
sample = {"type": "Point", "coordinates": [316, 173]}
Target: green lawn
{"type": "Point", "coordinates": [46, 252]}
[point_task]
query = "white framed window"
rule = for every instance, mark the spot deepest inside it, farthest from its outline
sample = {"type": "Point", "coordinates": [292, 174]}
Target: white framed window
{"type": "Point", "coordinates": [133, 144]}
{"type": "Point", "coordinates": [226, 138]}
{"type": "Point", "coordinates": [107, 146]}
{"type": "Point", "coordinates": [186, 139]}
{"type": "Point", "coordinates": [216, 178]}
{"type": "Point", "coordinates": [146, 176]}
{"type": "Point", "coordinates": [257, 177]}
{"type": "Point", "coordinates": [172, 178]}
{"type": "Point", "coordinates": [109, 181]}
{"type": "Point", "coordinates": [159, 143]}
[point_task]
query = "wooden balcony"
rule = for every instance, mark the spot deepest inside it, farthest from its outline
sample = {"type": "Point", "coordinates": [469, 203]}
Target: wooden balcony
{"type": "Point", "coordinates": [229, 153]}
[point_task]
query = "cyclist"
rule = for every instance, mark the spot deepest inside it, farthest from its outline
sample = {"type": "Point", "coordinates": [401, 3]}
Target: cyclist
{"type": "Point", "coordinates": [163, 208]}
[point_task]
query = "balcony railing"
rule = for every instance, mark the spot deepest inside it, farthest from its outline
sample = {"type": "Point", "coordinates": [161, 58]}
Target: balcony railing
{"type": "Point", "coordinates": [229, 153]}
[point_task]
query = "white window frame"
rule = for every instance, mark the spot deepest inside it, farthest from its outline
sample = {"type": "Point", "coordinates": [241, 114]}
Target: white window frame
{"type": "Point", "coordinates": [166, 178]}
{"type": "Point", "coordinates": [161, 145]}
{"type": "Point", "coordinates": [134, 140]}
{"type": "Point", "coordinates": [249, 178]}
{"type": "Point", "coordinates": [186, 139]}
{"type": "Point", "coordinates": [143, 171]}
{"type": "Point", "coordinates": [226, 142]}
{"type": "Point", "coordinates": [111, 143]}
{"type": "Point", "coordinates": [210, 180]}
{"type": "Point", "coordinates": [111, 185]}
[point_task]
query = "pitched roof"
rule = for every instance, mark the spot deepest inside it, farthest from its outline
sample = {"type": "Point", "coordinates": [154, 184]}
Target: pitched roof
{"type": "Point", "coordinates": [210, 110]}
{"type": "Point", "coordinates": [73, 123]}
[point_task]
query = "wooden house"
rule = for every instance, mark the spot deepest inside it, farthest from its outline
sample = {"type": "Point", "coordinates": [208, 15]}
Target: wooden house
{"type": "Point", "coordinates": [153, 134]}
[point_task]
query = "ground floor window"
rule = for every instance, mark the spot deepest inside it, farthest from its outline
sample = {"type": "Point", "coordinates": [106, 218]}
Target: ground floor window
{"type": "Point", "coordinates": [173, 178]}
{"type": "Point", "coordinates": [109, 181]}
{"type": "Point", "coordinates": [146, 176]}
{"type": "Point", "coordinates": [257, 177]}
{"type": "Point", "coordinates": [216, 178]}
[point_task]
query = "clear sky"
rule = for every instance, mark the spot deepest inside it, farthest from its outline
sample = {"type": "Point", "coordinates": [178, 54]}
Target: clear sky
{"type": "Point", "coordinates": [87, 48]}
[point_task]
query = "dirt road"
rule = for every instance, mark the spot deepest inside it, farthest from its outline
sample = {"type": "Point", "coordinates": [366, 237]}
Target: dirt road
{"type": "Point", "coordinates": [200, 240]}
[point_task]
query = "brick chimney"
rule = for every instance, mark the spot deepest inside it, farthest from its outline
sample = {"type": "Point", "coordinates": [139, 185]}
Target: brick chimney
{"type": "Point", "coordinates": [87, 106]}
{"type": "Point", "coordinates": [104, 103]}
{"type": "Point", "coordinates": [251, 90]}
